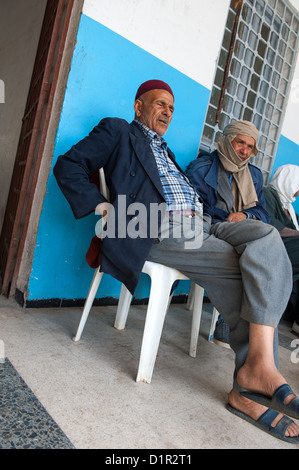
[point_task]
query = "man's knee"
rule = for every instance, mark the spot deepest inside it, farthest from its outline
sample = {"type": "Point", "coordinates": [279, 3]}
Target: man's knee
{"type": "Point", "coordinates": [245, 231]}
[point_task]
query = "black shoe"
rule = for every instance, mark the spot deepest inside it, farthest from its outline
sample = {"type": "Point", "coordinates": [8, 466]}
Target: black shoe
{"type": "Point", "coordinates": [221, 334]}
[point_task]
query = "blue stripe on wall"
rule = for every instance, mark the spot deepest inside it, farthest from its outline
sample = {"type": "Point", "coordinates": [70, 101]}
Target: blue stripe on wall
{"type": "Point", "coordinates": [105, 74]}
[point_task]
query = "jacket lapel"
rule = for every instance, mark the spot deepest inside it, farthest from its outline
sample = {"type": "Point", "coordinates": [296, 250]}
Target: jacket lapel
{"type": "Point", "coordinates": [224, 189]}
{"type": "Point", "coordinates": [145, 156]}
{"type": "Point", "coordinates": [217, 179]}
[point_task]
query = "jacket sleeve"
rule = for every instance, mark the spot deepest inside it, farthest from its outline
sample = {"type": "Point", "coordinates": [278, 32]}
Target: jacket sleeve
{"type": "Point", "coordinates": [196, 172]}
{"type": "Point", "coordinates": [260, 210]}
{"type": "Point", "coordinates": [72, 170]}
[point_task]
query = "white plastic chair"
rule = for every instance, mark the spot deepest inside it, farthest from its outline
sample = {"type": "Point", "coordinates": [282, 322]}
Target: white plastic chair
{"type": "Point", "coordinates": [162, 279]}
{"type": "Point", "coordinates": [215, 313]}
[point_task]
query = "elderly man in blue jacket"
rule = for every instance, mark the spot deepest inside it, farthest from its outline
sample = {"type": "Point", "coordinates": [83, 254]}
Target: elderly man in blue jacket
{"type": "Point", "coordinates": [231, 188]}
{"type": "Point", "coordinates": [140, 168]}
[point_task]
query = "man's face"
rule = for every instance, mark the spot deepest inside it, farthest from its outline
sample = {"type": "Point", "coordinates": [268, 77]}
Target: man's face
{"type": "Point", "coordinates": [243, 146]}
{"type": "Point", "coordinates": [154, 109]}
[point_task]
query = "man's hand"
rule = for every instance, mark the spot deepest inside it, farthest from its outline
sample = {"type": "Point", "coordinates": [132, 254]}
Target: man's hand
{"type": "Point", "coordinates": [103, 210]}
{"type": "Point", "coordinates": [289, 232]}
{"type": "Point", "coordinates": [236, 217]}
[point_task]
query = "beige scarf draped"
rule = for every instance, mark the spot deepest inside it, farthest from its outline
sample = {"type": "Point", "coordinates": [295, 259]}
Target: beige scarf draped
{"type": "Point", "coordinates": [242, 186]}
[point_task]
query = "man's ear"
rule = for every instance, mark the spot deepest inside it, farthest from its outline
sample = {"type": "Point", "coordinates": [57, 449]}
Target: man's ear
{"type": "Point", "coordinates": [138, 107]}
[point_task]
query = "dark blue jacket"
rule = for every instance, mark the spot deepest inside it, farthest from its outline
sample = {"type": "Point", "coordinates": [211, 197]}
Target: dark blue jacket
{"type": "Point", "coordinates": [203, 173]}
{"type": "Point", "coordinates": [131, 171]}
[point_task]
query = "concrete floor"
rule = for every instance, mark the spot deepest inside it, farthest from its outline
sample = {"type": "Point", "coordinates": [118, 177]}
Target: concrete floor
{"type": "Point", "coordinates": [89, 387]}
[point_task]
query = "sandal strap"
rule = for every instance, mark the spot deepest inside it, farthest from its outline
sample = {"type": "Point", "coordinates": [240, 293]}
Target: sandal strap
{"type": "Point", "coordinates": [268, 417]}
{"type": "Point", "coordinates": [280, 428]}
{"type": "Point", "coordinates": [280, 396]}
{"type": "Point", "coordinates": [282, 393]}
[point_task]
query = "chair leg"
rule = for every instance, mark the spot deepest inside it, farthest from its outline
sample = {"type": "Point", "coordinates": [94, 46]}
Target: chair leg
{"type": "Point", "coordinates": [88, 303]}
{"type": "Point", "coordinates": [154, 322]}
{"type": "Point", "coordinates": [190, 299]}
{"type": "Point", "coordinates": [215, 316]}
{"type": "Point", "coordinates": [123, 308]}
{"type": "Point", "coordinates": [196, 318]}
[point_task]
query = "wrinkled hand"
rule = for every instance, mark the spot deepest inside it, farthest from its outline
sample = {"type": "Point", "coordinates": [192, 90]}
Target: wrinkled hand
{"type": "Point", "coordinates": [236, 217]}
{"type": "Point", "coordinates": [289, 232]}
{"type": "Point", "coordinates": [103, 210]}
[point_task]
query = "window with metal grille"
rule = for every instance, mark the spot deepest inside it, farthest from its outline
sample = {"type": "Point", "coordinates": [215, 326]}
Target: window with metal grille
{"type": "Point", "coordinates": [254, 73]}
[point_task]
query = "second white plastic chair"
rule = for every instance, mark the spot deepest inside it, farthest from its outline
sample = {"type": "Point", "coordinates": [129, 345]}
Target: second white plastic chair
{"type": "Point", "coordinates": [215, 313]}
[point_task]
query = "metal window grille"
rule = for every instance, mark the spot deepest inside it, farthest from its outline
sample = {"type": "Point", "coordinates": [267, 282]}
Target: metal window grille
{"type": "Point", "coordinates": [254, 73]}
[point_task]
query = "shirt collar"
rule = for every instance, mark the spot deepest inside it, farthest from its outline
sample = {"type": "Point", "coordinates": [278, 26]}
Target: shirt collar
{"type": "Point", "coordinates": [151, 135]}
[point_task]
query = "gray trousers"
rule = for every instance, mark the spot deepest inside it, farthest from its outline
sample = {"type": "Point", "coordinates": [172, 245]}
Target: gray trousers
{"type": "Point", "coordinates": [245, 271]}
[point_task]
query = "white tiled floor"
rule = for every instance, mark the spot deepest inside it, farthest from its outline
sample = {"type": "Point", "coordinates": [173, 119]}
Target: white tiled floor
{"type": "Point", "coordinates": [89, 388]}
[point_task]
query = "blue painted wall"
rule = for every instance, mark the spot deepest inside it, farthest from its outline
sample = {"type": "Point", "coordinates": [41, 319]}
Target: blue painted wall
{"type": "Point", "coordinates": [105, 74]}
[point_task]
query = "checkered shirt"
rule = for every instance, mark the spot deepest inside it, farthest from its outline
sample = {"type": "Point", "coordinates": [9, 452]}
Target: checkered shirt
{"type": "Point", "coordinates": [178, 191]}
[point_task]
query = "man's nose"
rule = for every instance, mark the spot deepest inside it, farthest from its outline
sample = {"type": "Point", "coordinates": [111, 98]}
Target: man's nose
{"type": "Point", "coordinates": [167, 111]}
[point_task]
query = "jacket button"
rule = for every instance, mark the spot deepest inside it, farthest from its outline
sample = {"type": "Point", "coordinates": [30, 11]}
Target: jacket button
{"type": "Point", "coordinates": [132, 196]}
{"type": "Point", "coordinates": [132, 173]}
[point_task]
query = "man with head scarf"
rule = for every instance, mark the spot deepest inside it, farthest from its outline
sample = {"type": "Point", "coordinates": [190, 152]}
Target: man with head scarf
{"type": "Point", "coordinates": [140, 168]}
{"type": "Point", "coordinates": [231, 187]}
{"type": "Point", "coordinates": [280, 195]}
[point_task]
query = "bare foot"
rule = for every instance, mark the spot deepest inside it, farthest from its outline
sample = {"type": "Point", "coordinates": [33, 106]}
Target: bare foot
{"type": "Point", "coordinates": [261, 380]}
{"type": "Point", "coordinates": [254, 410]}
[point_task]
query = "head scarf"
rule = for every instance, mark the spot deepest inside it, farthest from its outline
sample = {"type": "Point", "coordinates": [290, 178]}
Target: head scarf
{"type": "Point", "coordinates": [243, 128]}
{"type": "Point", "coordinates": [242, 186]}
{"type": "Point", "coordinates": [285, 181]}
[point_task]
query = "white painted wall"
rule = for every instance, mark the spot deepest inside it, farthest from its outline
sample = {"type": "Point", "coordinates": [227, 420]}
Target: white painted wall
{"type": "Point", "coordinates": [295, 4]}
{"type": "Point", "coordinates": [290, 124]}
{"type": "Point", "coordinates": [186, 34]}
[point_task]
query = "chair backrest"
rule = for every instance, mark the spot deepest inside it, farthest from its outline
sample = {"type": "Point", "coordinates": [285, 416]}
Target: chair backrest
{"type": "Point", "coordinates": [103, 184]}
{"type": "Point", "coordinates": [93, 255]}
